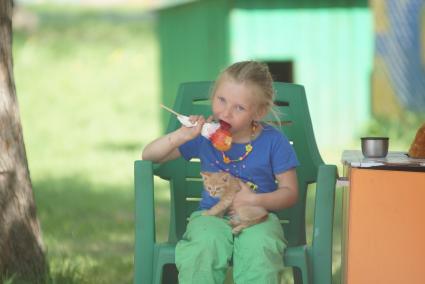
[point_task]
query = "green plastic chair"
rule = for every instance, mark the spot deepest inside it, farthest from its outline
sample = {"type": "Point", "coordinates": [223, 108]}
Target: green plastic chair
{"type": "Point", "coordinates": [311, 263]}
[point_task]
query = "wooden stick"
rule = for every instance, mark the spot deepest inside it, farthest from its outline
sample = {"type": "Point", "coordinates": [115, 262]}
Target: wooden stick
{"type": "Point", "coordinates": [170, 110]}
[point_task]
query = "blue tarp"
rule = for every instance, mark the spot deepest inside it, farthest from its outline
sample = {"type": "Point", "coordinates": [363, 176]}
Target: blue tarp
{"type": "Point", "coordinates": [401, 48]}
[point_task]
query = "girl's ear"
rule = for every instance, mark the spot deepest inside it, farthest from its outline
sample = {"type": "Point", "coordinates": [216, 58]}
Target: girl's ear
{"type": "Point", "coordinates": [260, 114]}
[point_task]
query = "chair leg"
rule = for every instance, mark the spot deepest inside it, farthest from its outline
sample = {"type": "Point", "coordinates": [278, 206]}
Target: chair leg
{"type": "Point", "coordinates": [169, 274]}
{"type": "Point", "coordinates": [166, 273]}
{"type": "Point", "coordinates": [164, 267]}
{"type": "Point", "coordinates": [297, 273]}
{"type": "Point", "coordinates": [298, 259]}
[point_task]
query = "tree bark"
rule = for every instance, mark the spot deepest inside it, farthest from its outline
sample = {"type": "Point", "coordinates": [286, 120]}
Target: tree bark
{"type": "Point", "coordinates": [21, 247]}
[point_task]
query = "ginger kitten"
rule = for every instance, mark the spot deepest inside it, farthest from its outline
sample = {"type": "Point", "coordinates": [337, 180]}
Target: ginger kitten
{"type": "Point", "coordinates": [225, 186]}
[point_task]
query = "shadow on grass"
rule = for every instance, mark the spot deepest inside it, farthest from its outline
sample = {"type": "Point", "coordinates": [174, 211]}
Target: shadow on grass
{"type": "Point", "coordinates": [88, 229]}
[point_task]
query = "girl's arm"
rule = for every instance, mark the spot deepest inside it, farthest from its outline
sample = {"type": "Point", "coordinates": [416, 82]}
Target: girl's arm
{"type": "Point", "coordinates": [284, 196]}
{"type": "Point", "coordinates": [165, 148]}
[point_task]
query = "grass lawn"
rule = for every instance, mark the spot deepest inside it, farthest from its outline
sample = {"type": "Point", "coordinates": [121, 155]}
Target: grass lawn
{"type": "Point", "coordinates": [88, 88]}
{"type": "Point", "coordinates": [87, 85]}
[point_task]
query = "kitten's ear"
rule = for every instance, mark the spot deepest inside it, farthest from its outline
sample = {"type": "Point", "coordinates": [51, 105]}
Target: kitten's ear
{"type": "Point", "coordinates": [205, 175]}
{"type": "Point", "coordinates": [225, 177]}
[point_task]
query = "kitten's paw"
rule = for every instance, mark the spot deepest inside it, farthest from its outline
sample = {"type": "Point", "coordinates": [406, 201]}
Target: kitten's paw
{"type": "Point", "coordinates": [236, 231]}
{"type": "Point", "coordinates": [234, 220]}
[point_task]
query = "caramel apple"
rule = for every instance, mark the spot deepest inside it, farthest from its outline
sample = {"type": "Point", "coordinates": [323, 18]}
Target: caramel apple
{"type": "Point", "coordinates": [217, 132]}
{"type": "Point", "coordinates": [222, 138]}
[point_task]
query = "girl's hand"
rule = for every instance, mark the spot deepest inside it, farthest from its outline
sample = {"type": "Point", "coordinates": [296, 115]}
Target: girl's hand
{"type": "Point", "coordinates": [191, 132]}
{"type": "Point", "coordinates": [244, 197]}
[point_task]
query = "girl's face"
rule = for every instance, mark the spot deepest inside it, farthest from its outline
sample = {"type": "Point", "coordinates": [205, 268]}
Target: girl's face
{"type": "Point", "coordinates": [235, 104]}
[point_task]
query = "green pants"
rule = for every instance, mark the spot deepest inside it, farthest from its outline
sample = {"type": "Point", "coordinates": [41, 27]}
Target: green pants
{"type": "Point", "coordinates": [207, 247]}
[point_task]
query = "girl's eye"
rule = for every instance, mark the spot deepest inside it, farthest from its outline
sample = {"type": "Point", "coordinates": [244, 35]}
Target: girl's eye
{"type": "Point", "coordinates": [240, 108]}
{"type": "Point", "coordinates": [221, 99]}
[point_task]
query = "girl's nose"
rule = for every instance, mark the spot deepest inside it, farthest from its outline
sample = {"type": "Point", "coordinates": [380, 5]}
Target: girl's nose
{"type": "Point", "coordinates": [227, 113]}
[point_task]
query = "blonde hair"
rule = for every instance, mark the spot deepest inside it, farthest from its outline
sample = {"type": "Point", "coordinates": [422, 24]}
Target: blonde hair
{"type": "Point", "coordinates": [255, 73]}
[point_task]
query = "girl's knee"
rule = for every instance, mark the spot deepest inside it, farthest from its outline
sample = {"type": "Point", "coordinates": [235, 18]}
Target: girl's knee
{"type": "Point", "coordinates": [266, 246]}
{"type": "Point", "coordinates": [261, 242]}
{"type": "Point", "coordinates": [263, 233]}
{"type": "Point", "coordinates": [258, 257]}
{"type": "Point", "coordinates": [206, 247]}
{"type": "Point", "coordinates": [208, 228]}
{"type": "Point", "coordinates": [207, 235]}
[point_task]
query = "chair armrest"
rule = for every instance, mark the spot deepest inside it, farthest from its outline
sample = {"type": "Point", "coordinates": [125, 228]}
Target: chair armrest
{"type": "Point", "coordinates": [321, 248]}
{"type": "Point", "coordinates": [297, 257]}
{"type": "Point", "coordinates": [144, 220]}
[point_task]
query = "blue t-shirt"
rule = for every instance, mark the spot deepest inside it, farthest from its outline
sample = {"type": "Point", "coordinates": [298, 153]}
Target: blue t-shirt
{"type": "Point", "coordinates": [271, 154]}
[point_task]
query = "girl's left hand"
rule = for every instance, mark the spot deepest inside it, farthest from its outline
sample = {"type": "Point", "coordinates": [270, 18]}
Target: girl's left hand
{"type": "Point", "coordinates": [244, 197]}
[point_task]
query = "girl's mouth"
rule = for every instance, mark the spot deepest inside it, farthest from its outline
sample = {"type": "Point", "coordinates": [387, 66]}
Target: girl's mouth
{"type": "Point", "coordinates": [224, 125]}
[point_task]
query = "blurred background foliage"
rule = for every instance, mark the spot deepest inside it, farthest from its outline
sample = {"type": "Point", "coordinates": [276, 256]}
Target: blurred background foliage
{"type": "Point", "coordinates": [400, 128]}
{"type": "Point", "coordinates": [88, 87]}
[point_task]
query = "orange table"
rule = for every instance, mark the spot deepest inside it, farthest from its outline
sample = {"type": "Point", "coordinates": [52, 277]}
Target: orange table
{"type": "Point", "coordinates": [384, 226]}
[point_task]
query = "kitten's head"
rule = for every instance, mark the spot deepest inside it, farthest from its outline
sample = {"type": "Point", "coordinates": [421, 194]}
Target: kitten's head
{"type": "Point", "coordinates": [215, 183]}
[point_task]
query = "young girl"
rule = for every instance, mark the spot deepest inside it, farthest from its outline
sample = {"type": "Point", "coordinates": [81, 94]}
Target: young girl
{"type": "Point", "coordinates": [260, 155]}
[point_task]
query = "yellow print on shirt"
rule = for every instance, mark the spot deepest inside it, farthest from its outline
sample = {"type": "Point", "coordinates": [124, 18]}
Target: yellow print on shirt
{"type": "Point", "coordinates": [252, 186]}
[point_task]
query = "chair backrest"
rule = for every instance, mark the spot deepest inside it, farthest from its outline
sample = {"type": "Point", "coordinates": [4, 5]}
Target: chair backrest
{"type": "Point", "coordinates": [184, 177]}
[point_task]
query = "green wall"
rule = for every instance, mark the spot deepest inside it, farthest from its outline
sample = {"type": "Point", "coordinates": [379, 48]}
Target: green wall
{"type": "Point", "coordinates": [332, 53]}
{"type": "Point", "coordinates": [297, 4]}
{"type": "Point", "coordinates": [329, 42]}
{"type": "Point", "coordinates": [193, 45]}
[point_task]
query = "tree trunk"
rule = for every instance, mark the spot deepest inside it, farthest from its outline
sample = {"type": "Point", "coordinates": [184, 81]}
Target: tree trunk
{"type": "Point", "coordinates": [21, 246]}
